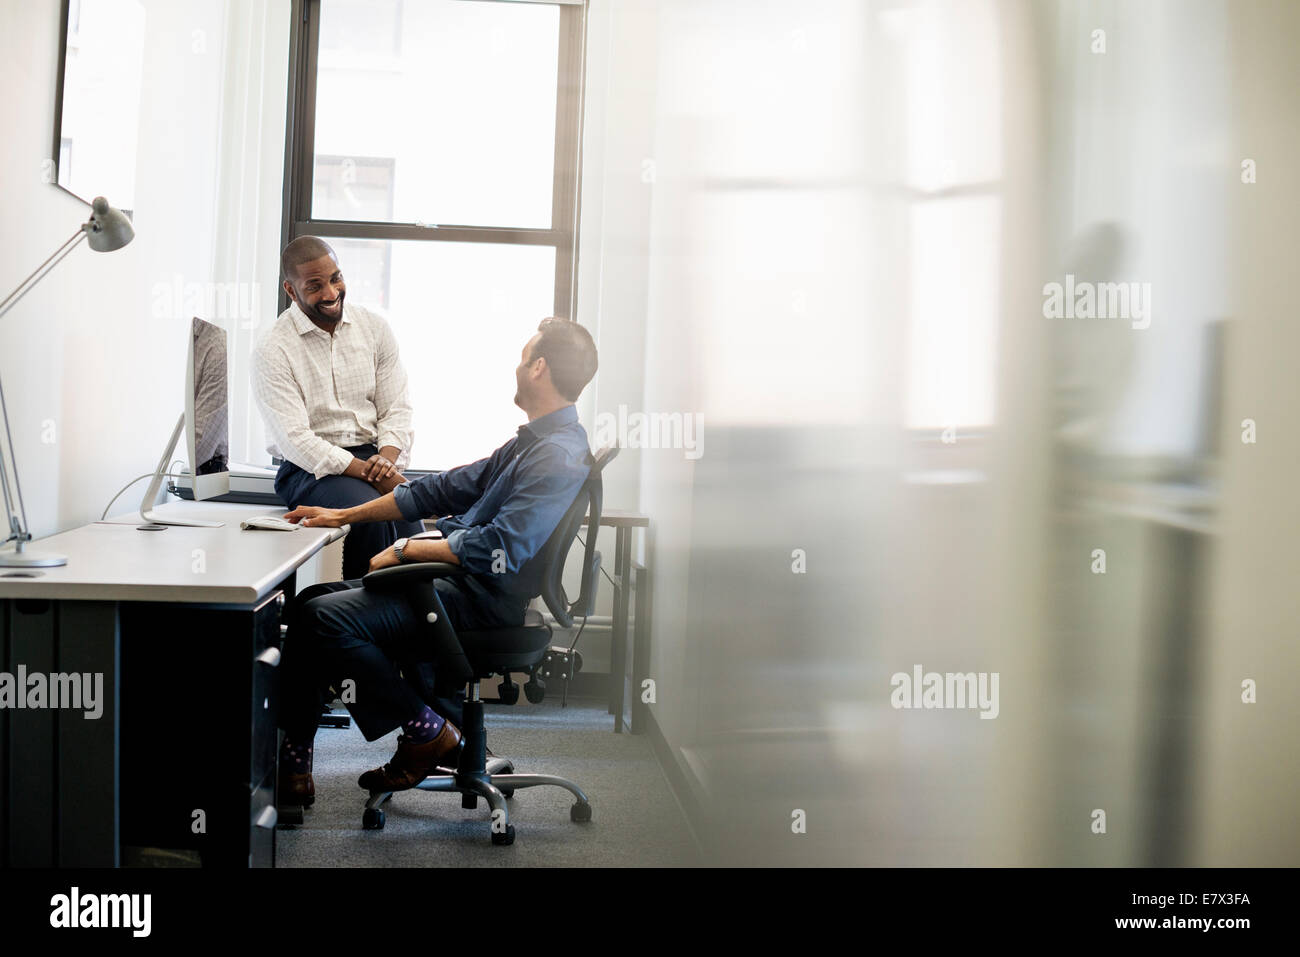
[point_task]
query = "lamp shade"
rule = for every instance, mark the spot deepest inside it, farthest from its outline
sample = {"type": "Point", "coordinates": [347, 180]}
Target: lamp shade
{"type": "Point", "coordinates": [108, 228]}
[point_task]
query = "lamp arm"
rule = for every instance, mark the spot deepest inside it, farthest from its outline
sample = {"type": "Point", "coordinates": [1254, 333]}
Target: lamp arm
{"type": "Point", "coordinates": [28, 284]}
{"type": "Point", "coordinates": [16, 518]}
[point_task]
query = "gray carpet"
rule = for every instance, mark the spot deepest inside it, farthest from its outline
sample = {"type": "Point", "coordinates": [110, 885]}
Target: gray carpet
{"type": "Point", "coordinates": [635, 819]}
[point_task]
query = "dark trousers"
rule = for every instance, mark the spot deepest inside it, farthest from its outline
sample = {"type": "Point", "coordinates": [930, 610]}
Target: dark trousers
{"type": "Point", "coordinates": [365, 540]}
{"type": "Point", "coordinates": [339, 632]}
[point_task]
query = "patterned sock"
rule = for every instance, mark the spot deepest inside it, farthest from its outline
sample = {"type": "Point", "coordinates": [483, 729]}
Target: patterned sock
{"type": "Point", "coordinates": [295, 756]}
{"type": "Point", "coordinates": [424, 726]}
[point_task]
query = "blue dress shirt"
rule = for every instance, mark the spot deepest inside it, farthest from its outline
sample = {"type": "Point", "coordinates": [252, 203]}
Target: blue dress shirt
{"type": "Point", "coordinates": [498, 512]}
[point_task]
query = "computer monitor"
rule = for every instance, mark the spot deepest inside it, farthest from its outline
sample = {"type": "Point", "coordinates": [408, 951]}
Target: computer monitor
{"type": "Point", "coordinates": [207, 410]}
{"type": "Point", "coordinates": [206, 422]}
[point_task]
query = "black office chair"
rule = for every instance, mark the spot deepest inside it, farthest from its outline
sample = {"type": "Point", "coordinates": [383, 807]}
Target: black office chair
{"type": "Point", "coordinates": [471, 656]}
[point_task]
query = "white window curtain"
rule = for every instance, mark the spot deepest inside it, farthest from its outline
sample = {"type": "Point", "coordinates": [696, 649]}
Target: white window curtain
{"type": "Point", "coordinates": [249, 198]}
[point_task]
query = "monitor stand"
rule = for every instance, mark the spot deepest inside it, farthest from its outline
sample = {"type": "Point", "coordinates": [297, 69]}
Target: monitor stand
{"type": "Point", "coordinates": [153, 522]}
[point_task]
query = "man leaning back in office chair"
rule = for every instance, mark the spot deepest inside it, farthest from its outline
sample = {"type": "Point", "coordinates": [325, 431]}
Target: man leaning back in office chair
{"type": "Point", "coordinates": [496, 514]}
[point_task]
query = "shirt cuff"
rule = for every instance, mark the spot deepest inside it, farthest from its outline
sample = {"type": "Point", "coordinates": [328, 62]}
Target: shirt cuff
{"type": "Point", "coordinates": [336, 463]}
{"type": "Point", "coordinates": [404, 498]}
{"type": "Point", "coordinates": [453, 542]}
{"type": "Point", "coordinates": [401, 443]}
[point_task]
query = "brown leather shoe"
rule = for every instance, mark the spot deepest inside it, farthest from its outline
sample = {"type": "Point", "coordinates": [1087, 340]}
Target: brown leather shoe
{"type": "Point", "coordinates": [413, 762]}
{"type": "Point", "coordinates": [295, 789]}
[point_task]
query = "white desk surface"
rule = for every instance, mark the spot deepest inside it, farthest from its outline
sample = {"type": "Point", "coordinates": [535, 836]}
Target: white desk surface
{"type": "Point", "coordinates": [114, 561]}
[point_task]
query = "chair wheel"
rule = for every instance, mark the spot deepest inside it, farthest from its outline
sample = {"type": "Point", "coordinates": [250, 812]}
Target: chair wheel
{"type": "Point", "coordinates": [508, 693]}
{"type": "Point", "coordinates": [535, 691]}
{"type": "Point", "coordinates": [504, 839]}
{"type": "Point", "coordinates": [372, 819]}
{"type": "Point", "coordinates": [580, 812]}
{"type": "Point", "coordinates": [506, 793]}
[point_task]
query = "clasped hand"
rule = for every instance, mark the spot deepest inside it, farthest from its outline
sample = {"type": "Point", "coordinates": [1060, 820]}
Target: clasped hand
{"type": "Point", "coordinates": [382, 473]}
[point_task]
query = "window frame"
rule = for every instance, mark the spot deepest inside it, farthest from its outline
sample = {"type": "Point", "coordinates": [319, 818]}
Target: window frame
{"type": "Point", "coordinates": [299, 159]}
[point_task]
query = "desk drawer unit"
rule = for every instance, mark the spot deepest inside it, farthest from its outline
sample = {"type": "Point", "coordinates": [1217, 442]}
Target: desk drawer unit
{"type": "Point", "coordinates": [199, 711]}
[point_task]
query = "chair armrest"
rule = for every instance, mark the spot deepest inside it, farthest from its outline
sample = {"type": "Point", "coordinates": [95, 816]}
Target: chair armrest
{"type": "Point", "coordinates": [444, 648]}
{"type": "Point", "coordinates": [396, 577]}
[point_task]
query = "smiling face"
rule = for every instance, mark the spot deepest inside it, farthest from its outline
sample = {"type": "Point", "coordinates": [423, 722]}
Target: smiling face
{"type": "Point", "coordinates": [318, 289]}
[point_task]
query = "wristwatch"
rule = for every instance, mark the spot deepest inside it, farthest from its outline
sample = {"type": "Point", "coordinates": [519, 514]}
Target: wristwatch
{"type": "Point", "coordinates": [397, 549]}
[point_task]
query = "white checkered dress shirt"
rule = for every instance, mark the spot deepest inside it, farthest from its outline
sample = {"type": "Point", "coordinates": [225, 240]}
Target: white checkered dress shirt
{"type": "Point", "coordinates": [321, 394]}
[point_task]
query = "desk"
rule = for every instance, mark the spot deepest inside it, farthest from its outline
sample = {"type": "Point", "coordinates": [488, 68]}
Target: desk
{"type": "Point", "coordinates": [183, 624]}
{"type": "Point", "coordinates": [623, 522]}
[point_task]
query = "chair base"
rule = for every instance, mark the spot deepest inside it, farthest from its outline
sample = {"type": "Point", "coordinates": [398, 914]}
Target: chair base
{"type": "Point", "coordinates": [497, 789]}
{"type": "Point", "coordinates": [479, 777]}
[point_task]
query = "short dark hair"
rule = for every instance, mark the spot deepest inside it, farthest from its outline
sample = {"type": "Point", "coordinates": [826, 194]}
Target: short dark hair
{"type": "Point", "coordinates": [570, 354]}
{"type": "Point", "coordinates": [304, 249]}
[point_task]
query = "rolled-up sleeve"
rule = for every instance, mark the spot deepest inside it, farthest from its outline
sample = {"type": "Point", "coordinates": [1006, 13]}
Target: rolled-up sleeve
{"type": "Point", "coordinates": [545, 487]}
{"type": "Point", "coordinates": [413, 499]}
{"type": "Point", "coordinates": [443, 493]}
{"type": "Point", "coordinates": [285, 413]}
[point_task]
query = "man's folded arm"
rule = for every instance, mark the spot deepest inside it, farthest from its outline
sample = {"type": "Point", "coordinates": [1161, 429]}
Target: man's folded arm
{"type": "Point", "coordinates": [281, 403]}
{"type": "Point", "coordinates": [445, 493]}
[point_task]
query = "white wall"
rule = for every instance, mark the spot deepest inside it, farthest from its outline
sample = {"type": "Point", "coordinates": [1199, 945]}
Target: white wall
{"type": "Point", "coordinates": [1248, 768]}
{"type": "Point", "coordinates": [248, 200]}
{"type": "Point", "coordinates": [83, 351]}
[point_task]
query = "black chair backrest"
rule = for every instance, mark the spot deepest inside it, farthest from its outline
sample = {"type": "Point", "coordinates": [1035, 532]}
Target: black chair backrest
{"type": "Point", "coordinates": [556, 550]}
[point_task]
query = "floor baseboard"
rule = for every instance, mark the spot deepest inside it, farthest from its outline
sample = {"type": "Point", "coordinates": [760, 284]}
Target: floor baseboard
{"type": "Point", "coordinates": [682, 781]}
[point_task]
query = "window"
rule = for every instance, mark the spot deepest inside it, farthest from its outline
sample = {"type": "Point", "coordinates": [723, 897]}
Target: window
{"type": "Point", "coordinates": [952, 175]}
{"type": "Point", "coordinates": [360, 188]}
{"type": "Point", "coordinates": [435, 146]}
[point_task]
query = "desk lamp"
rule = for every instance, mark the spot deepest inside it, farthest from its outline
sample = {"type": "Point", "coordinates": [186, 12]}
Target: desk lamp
{"type": "Point", "coordinates": [106, 230]}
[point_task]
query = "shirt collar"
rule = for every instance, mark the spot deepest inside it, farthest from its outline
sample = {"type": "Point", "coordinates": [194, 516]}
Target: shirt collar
{"type": "Point", "coordinates": [302, 325]}
{"type": "Point", "coordinates": [551, 422]}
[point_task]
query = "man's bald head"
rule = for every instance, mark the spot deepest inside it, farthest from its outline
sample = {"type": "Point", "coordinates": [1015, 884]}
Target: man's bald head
{"type": "Point", "coordinates": [304, 249]}
{"type": "Point", "coordinates": [313, 280]}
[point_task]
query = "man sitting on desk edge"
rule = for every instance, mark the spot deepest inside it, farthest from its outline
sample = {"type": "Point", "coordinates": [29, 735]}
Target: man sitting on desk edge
{"type": "Point", "coordinates": [333, 393]}
{"type": "Point", "coordinates": [497, 514]}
